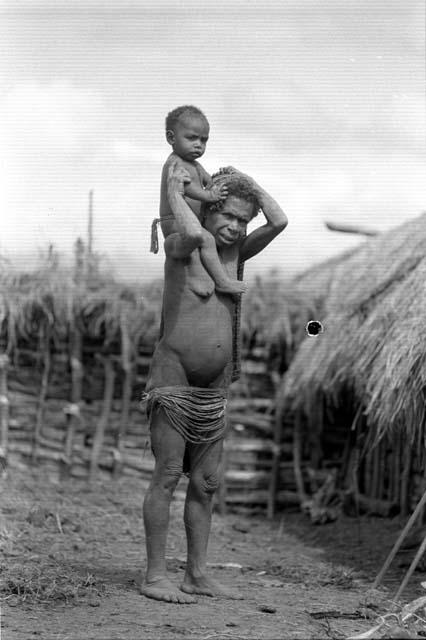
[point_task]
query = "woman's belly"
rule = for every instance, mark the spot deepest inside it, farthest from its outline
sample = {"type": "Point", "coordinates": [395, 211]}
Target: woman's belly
{"type": "Point", "coordinates": [200, 334]}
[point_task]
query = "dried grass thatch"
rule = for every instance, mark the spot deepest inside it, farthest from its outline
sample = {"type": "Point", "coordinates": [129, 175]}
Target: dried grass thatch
{"type": "Point", "coordinates": [51, 299]}
{"type": "Point", "coordinates": [373, 349]}
{"type": "Point", "coordinates": [275, 311]}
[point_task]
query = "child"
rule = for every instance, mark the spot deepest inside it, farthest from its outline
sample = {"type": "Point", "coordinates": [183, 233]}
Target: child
{"type": "Point", "coordinates": [187, 131]}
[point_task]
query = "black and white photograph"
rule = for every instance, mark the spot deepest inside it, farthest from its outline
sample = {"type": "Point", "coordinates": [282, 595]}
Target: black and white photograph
{"type": "Point", "coordinates": [212, 305]}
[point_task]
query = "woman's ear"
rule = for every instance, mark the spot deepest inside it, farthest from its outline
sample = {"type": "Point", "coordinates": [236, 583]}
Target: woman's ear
{"type": "Point", "coordinates": [170, 136]}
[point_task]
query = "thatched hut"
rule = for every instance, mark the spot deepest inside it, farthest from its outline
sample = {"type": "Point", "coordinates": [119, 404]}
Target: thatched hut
{"type": "Point", "coordinates": [357, 391]}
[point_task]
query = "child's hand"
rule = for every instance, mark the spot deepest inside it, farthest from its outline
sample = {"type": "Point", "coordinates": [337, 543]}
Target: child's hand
{"type": "Point", "coordinates": [217, 192]}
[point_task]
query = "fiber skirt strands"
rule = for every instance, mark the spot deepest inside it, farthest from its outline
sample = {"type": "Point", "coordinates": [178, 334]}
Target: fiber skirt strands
{"type": "Point", "coordinates": [198, 414]}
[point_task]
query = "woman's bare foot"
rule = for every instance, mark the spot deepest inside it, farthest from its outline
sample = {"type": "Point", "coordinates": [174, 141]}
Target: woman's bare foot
{"type": "Point", "coordinates": [163, 589]}
{"type": "Point", "coordinates": [231, 286]}
{"type": "Point", "coordinates": [205, 586]}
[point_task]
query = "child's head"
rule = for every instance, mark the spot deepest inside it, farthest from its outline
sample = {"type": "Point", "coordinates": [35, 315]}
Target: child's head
{"type": "Point", "coordinates": [187, 131]}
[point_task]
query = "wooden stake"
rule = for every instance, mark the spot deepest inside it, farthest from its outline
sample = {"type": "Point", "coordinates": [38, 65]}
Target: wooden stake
{"type": "Point", "coordinates": [400, 540]}
{"type": "Point", "coordinates": [368, 472]}
{"type": "Point", "coordinates": [411, 568]}
{"type": "Point", "coordinates": [376, 471]}
{"type": "Point", "coordinates": [43, 392]}
{"type": "Point", "coordinates": [397, 471]}
{"type": "Point", "coordinates": [127, 348]}
{"type": "Point", "coordinates": [222, 493]}
{"type": "Point", "coordinates": [124, 417]}
{"type": "Point", "coordinates": [103, 420]}
{"type": "Point", "coordinates": [73, 412]}
{"type": "Point", "coordinates": [297, 457]}
{"type": "Point", "coordinates": [90, 225]}
{"type": "Point", "coordinates": [276, 456]}
{"type": "Point", "coordinates": [405, 478]}
{"type": "Point", "coordinates": [89, 252]}
{"type": "Point", "coordinates": [4, 412]}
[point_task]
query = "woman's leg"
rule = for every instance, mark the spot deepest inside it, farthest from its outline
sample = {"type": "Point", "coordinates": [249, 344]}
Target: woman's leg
{"type": "Point", "coordinates": [203, 483]}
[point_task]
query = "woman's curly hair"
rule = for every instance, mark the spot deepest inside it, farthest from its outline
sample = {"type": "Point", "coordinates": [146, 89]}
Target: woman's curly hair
{"type": "Point", "coordinates": [238, 186]}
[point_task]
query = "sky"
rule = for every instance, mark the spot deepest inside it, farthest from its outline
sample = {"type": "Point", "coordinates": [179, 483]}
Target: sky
{"type": "Point", "coordinates": [321, 101]}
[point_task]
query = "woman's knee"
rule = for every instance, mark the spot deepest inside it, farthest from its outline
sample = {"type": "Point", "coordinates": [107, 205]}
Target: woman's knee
{"type": "Point", "coordinates": [204, 484]}
{"type": "Point", "coordinates": [167, 476]}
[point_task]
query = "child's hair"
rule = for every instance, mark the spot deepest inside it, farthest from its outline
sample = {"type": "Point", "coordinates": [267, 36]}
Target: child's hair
{"type": "Point", "coordinates": [173, 117]}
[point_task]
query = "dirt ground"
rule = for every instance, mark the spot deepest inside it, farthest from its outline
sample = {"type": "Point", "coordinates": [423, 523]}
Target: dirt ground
{"type": "Point", "coordinates": [73, 558]}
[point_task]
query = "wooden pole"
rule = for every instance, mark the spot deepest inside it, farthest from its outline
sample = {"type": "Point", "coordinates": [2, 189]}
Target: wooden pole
{"type": "Point", "coordinates": [89, 253]}
{"type": "Point", "coordinates": [411, 568]}
{"type": "Point", "coordinates": [400, 540]}
{"type": "Point", "coordinates": [124, 418]}
{"type": "Point", "coordinates": [297, 456]}
{"type": "Point", "coordinates": [103, 420]}
{"type": "Point", "coordinates": [222, 493]}
{"type": "Point", "coordinates": [127, 363]}
{"type": "Point", "coordinates": [46, 332]}
{"type": "Point", "coordinates": [397, 470]}
{"type": "Point", "coordinates": [73, 411]}
{"type": "Point", "coordinates": [276, 456]}
{"type": "Point", "coordinates": [405, 478]}
{"type": "Point", "coordinates": [347, 228]}
{"type": "Point", "coordinates": [376, 471]}
{"type": "Point", "coordinates": [90, 225]}
{"type": "Point", "coordinates": [4, 413]}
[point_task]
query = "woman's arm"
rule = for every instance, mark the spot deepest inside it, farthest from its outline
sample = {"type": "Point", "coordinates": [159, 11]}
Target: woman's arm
{"type": "Point", "coordinates": [276, 222]}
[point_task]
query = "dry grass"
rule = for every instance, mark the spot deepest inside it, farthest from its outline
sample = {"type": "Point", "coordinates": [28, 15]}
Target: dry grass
{"type": "Point", "coordinates": [46, 584]}
{"type": "Point", "coordinates": [50, 300]}
{"type": "Point", "coordinates": [50, 541]}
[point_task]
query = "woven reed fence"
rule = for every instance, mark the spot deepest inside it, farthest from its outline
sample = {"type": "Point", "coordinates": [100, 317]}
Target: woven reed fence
{"type": "Point", "coordinates": [77, 406]}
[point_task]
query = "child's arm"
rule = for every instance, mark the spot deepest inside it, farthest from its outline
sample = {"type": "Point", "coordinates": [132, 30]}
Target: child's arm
{"type": "Point", "coordinates": [212, 194]}
{"type": "Point", "coordinates": [202, 188]}
{"type": "Point", "coordinates": [199, 178]}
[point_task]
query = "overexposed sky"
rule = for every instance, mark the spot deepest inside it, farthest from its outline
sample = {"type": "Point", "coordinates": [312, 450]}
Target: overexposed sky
{"type": "Point", "coordinates": [322, 101]}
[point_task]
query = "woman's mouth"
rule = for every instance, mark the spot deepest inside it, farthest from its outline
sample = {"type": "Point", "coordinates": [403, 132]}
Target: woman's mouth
{"type": "Point", "coordinates": [226, 237]}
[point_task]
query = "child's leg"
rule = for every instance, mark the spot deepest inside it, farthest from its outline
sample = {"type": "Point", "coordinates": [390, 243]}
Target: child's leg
{"type": "Point", "coordinates": [214, 267]}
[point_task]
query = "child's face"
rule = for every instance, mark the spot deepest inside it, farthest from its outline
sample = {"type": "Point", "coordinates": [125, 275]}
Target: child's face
{"type": "Point", "coordinates": [189, 137]}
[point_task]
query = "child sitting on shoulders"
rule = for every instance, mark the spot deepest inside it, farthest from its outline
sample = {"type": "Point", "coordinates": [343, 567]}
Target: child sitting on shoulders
{"type": "Point", "coordinates": [187, 131]}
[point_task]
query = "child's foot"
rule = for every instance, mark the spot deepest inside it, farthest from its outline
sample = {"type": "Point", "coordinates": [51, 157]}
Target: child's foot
{"type": "Point", "coordinates": [163, 589]}
{"type": "Point", "coordinates": [231, 286]}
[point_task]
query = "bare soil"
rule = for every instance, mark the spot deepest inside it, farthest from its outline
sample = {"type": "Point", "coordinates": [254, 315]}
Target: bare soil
{"type": "Point", "coordinates": [73, 557]}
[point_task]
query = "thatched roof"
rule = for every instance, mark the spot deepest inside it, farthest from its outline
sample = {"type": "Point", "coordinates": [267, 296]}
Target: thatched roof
{"type": "Point", "coordinates": [276, 308]}
{"type": "Point", "coordinates": [373, 349]}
